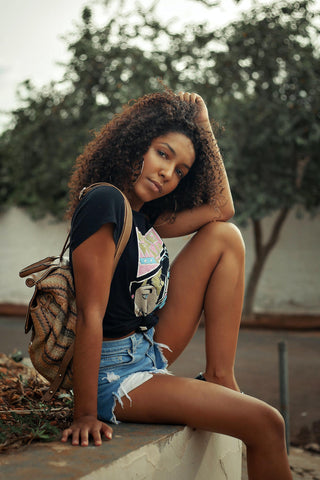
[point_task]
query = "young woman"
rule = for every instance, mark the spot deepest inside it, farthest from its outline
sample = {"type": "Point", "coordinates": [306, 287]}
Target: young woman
{"type": "Point", "coordinates": [161, 152]}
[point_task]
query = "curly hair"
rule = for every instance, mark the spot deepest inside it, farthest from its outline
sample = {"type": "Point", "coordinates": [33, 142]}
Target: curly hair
{"type": "Point", "coordinates": [115, 155]}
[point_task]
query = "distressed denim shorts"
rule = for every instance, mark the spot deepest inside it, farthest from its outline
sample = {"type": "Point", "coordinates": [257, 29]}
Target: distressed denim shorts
{"type": "Point", "coordinates": [125, 364]}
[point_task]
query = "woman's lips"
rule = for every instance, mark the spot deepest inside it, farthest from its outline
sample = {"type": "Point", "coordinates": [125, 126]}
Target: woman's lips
{"type": "Point", "coordinates": [157, 187]}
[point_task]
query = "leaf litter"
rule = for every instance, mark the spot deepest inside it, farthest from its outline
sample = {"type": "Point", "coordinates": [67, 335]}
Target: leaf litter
{"type": "Point", "coordinates": [23, 417]}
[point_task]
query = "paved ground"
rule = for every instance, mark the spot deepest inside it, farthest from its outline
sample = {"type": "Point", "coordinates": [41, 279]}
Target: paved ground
{"type": "Point", "coordinates": [257, 372]}
{"type": "Point", "coordinates": [257, 375]}
{"type": "Point", "coordinates": [303, 465]}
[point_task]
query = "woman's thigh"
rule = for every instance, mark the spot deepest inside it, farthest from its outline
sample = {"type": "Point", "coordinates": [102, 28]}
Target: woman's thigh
{"type": "Point", "coordinates": [190, 274]}
{"type": "Point", "coordinates": [174, 400]}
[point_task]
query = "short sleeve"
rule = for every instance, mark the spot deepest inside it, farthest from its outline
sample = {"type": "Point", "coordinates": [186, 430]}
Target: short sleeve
{"type": "Point", "coordinates": [101, 205]}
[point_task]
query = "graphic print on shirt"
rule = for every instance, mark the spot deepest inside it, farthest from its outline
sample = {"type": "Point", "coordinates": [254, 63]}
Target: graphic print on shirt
{"type": "Point", "coordinates": [149, 292]}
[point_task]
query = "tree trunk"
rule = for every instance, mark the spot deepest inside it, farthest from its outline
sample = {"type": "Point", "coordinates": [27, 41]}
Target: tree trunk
{"type": "Point", "coordinates": [262, 252]}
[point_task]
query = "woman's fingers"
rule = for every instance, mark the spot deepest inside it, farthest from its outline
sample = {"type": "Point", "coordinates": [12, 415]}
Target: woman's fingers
{"type": "Point", "coordinates": [185, 96]}
{"type": "Point", "coordinates": [195, 97]}
{"type": "Point", "coordinates": [84, 438]}
{"type": "Point", "coordinates": [96, 437]}
{"type": "Point", "coordinates": [65, 434]}
{"type": "Point", "coordinates": [107, 430]}
{"type": "Point", "coordinates": [202, 116]}
{"type": "Point", "coordinates": [80, 434]}
{"type": "Point", "coordinates": [190, 97]}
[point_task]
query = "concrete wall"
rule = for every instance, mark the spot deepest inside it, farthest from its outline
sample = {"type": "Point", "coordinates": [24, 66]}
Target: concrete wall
{"type": "Point", "coordinates": [290, 281]}
{"type": "Point", "coordinates": [136, 452]}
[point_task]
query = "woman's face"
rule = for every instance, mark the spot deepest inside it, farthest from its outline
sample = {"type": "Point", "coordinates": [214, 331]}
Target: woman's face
{"type": "Point", "coordinates": [168, 159]}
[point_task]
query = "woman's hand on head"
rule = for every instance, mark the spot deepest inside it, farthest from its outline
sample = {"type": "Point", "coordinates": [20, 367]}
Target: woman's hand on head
{"type": "Point", "coordinates": [202, 119]}
{"type": "Point", "coordinates": [83, 427]}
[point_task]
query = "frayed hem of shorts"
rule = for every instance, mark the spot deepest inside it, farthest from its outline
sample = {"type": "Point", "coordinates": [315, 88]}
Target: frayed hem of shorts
{"type": "Point", "coordinates": [130, 383]}
{"type": "Point", "coordinates": [161, 347]}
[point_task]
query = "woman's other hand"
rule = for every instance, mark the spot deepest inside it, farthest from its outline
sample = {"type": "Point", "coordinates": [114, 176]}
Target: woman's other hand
{"type": "Point", "coordinates": [83, 427]}
{"type": "Point", "coordinates": [202, 119]}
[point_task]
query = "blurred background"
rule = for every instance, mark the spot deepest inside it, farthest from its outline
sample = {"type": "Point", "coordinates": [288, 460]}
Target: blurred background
{"type": "Point", "coordinates": [67, 67]}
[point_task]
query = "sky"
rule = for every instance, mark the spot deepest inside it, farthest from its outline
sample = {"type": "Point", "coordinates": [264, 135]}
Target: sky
{"type": "Point", "coordinates": [31, 31]}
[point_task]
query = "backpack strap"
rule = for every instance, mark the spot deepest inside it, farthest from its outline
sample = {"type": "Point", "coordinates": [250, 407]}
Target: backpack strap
{"type": "Point", "coordinates": [55, 384]}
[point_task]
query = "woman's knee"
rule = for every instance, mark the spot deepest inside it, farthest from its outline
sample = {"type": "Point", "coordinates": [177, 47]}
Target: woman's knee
{"type": "Point", "coordinates": [268, 425]}
{"type": "Point", "coordinates": [225, 234]}
{"type": "Point", "coordinates": [275, 421]}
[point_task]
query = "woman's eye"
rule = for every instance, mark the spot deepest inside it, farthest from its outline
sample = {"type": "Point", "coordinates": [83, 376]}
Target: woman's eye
{"type": "Point", "coordinates": [179, 172]}
{"type": "Point", "coordinates": [162, 154]}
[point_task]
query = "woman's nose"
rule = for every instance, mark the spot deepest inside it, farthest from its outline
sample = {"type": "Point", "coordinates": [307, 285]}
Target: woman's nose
{"type": "Point", "coordinates": [166, 173]}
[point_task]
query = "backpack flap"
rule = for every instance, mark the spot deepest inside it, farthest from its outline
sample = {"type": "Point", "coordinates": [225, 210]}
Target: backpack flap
{"type": "Point", "coordinates": [37, 266]}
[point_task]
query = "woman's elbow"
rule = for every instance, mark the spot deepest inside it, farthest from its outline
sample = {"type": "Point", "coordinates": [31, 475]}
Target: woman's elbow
{"type": "Point", "coordinates": [89, 317]}
{"type": "Point", "coordinates": [231, 212]}
{"type": "Point", "coordinates": [227, 213]}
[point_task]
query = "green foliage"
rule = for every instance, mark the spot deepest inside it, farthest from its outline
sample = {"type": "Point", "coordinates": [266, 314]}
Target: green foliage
{"type": "Point", "coordinates": [29, 426]}
{"type": "Point", "coordinates": [259, 76]}
{"type": "Point", "coordinates": [106, 70]}
{"type": "Point", "coordinates": [34, 155]}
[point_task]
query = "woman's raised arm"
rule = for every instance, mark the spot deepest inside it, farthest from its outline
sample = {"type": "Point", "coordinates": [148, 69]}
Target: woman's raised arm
{"type": "Point", "coordinates": [189, 221]}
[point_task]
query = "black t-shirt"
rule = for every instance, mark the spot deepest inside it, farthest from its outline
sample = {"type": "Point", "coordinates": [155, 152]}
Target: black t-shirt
{"type": "Point", "coordinates": [140, 282]}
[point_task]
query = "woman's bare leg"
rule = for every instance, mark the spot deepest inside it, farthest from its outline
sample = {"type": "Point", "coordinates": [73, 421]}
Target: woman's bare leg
{"type": "Point", "coordinates": [208, 275]}
{"type": "Point", "coordinates": [211, 407]}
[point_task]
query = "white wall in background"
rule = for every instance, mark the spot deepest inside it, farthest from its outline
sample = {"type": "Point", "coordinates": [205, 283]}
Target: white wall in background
{"type": "Point", "coordinates": [290, 281]}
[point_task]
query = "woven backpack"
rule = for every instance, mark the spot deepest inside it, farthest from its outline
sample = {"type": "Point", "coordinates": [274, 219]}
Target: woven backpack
{"type": "Point", "coordinates": [52, 309]}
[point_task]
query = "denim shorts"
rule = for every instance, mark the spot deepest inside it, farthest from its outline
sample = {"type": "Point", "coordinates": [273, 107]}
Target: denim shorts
{"type": "Point", "coordinates": [125, 364]}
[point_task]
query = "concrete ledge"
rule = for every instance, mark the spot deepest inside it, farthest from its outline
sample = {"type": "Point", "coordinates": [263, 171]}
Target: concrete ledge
{"type": "Point", "coordinates": [136, 452]}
